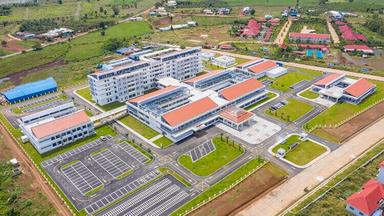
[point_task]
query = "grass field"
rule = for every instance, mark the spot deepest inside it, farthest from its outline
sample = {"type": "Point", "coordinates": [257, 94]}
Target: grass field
{"type": "Point", "coordinates": [342, 111]}
{"type": "Point", "coordinates": [284, 82]}
{"type": "Point", "coordinates": [292, 111]}
{"type": "Point", "coordinates": [309, 94]}
{"type": "Point", "coordinates": [80, 55]}
{"type": "Point", "coordinates": [223, 154]}
{"type": "Point", "coordinates": [303, 153]}
{"type": "Point", "coordinates": [333, 202]}
{"type": "Point", "coordinates": [317, 24]}
{"type": "Point", "coordinates": [139, 127]}
{"type": "Point", "coordinates": [221, 185]}
{"type": "Point", "coordinates": [163, 142]}
{"type": "Point", "coordinates": [176, 175]}
{"type": "Point", "coordinates": [86, 94]}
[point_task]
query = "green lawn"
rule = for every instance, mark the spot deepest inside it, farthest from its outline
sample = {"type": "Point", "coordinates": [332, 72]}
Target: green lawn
{"type": "Point", "coordinates": [223, 154]}
{"type": "Point", "coordinates": [309, 94]}
{"type": "Point", "coordinates": [169, 171]}
{"type": "Point", "coordinates": [86, 94]}
{"type": "Point", "coordinates": [342, 111]}
{"type": "Point", "coordinates": [270, 96]}
{"type": "Point", "coordinates": [283, 83]}
{"type": "Point", "coordinates": [221, 185]}
{"type": "Point", "coordinates": [292, 111]}
{"type": "Point", "coordinates": [139, 127]}
{"type": "Point", "coordinates": [163, 142]}
{"type": "Point", "coordinates": [303, 153]}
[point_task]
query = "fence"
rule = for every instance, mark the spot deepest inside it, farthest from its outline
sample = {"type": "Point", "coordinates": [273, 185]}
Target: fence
{"type": "Point", "coordinates": [319, 126]}
{"type": "Point", "coordinates": [36, 166]}
{"type": "Point", "coordinates": [224, 190]}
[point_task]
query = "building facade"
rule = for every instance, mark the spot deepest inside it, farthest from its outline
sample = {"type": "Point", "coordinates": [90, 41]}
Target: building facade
{"type": "Point", "coordinates": [52, 133]}
{"type": "Point", "coordinates": [309, 37]}
{"type": "Point", "coordinates": [123, 82]}
{"type": "Point", "coordinates": [339, 88]}
{"type": "Point", "coordinates": [179, 109]}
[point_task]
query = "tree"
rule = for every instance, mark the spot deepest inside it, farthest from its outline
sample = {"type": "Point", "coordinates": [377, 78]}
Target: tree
{"type": "Point", "coordinates": [60, 1]}
{"type": "Point", "coordinates": [37, 47]}
{"type": "Point", "coordinates": [4, 43]}
{"type": "Point", "coordinates": [252, 12]}
{"type": "Point", "coordinates": [221, 136]}
{"type": "Point", "coordinates": [116, 10]}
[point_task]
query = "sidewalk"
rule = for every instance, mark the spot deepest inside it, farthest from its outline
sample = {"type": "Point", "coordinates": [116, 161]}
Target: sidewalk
{"type": "Point", "coordinates": [286, 194]}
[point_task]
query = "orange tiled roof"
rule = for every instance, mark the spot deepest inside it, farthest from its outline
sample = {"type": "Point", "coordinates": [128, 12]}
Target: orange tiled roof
{"type": "Point", "coordinates": [241, 89]}
{"type": "Point", "coordinates": [328, 79]}
{"type": "Point", "coordinates": [153, 94]}
{"type": "Point", "coordinates": [263, 66]}
{"type": "Point", "coordinates": [360, 87]}
{"type": "Point", "coordinates": [189, 111]}
{"type": "Point", "coordinates": [236, 115]}
{"type": "Point", "coordinates": [60, 124]}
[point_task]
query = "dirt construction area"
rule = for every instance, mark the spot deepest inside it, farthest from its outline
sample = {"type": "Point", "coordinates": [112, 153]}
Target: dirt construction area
{"type": "Point", "coordinates": [358, 123]}
{"type": "Point", "coordinates": [250, 189]}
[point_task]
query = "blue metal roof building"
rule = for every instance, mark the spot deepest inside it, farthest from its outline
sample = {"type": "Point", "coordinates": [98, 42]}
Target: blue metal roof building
{"type": "Point", "coordinates": [29, 90]}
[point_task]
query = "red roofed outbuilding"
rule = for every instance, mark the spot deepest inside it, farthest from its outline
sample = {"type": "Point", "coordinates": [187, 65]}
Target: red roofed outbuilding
{"type": "Point", "coordinates": [359, 48]}
{"type": "Point", "coordinates": [309, 37]}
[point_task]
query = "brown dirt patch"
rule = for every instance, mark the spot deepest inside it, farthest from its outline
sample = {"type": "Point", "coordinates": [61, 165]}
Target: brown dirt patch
{"type": "Point", "coordinates": [241, 195]}
{"type": "Point", "coordinates": [356, 124]}
{"type": "Point", "coordinates": [12, 45]}
{"type": "Point", "coordinates": [31, 181]}
{"type": "Point", "coordinates": [16, 78]}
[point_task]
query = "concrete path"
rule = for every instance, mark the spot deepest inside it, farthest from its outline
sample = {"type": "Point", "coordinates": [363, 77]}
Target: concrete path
{"type": "Point", "coordinates": [286, 194]}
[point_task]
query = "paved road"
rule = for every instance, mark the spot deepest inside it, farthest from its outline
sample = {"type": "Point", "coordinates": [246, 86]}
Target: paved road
{"type": "Point", "coordinates": [283, 196]}
{"type": "Point", "coordinates": [292, 64]}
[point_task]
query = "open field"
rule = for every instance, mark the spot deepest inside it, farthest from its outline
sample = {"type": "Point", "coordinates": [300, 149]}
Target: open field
{"type": "Point", "coordinates": [348, 129]}
{"type": "Point", "coordinates": [342, 111]}
{"type": "Point", "coordinates": [21, 195]}
{"type": "Point", "coordinates": [79, 56]}
{"type": "Point", "coordinates": [292, 111]}
{"type": "Point", "coordinates": [222, 155]}
{"type": "Point", "coordinates": [261, 181]}
{"type": "Point", "coordinates": [333, 202]}
{"type": "Point", "coordinates": [303, 153]}
{"type": "Point", "coordinates": [70, 8]}
{"type": "Point", "coordinates": [317, 24]}
{"type": "Point", "coordinates": [139, 127]}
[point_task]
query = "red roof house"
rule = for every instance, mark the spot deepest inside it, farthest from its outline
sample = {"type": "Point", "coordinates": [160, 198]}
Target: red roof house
{"type": "Point", "coordinates": [241, 89]}
{"type": "Point", "coordinates": [370, 198]}
{"type": "Point", "coordinates": [359, 48]}
{"type": "Point", "coordinates": [252, 29]}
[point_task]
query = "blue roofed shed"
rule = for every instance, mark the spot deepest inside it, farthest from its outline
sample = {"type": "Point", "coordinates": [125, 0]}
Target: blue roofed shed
{"type": "Point", "coordinates": [29, 90]}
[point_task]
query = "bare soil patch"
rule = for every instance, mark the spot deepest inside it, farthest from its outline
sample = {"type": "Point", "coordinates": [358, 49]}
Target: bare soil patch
{"type": "Point", "coordinates": [244, 193]}
{"type": "Point", "coordinates": [17, 77]}
{"type": "Point", "coordinates": [33, 184]}
{"type": "Point", "coordinates": [12, 45]}
{"type": "Point", "coordinates": [356, 124]}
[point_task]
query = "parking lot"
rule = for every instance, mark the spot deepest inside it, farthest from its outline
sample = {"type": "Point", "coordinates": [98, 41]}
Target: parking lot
{"type": "Point", "coordinates": [81, 177]}
{"type": "Point", "coordinates": [161, 198]}
{"type": "Point", "coordinates": [202, 150]}
{"type": "Point", "coordinates": [111, 163]}
{"type": "Point", "coordinates": [96, 174]}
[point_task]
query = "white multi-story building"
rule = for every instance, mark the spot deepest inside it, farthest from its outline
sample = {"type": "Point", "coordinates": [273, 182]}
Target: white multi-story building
{"type": "Point", "coordinates": [51, 133]}
{"type": "Point", "coordinates": [224, 61]}
{"type": "Point", "coordinates": [132, 79]}
{"type": "Point", "coordinates": [55, 112]}
{"type": "Point", "coordinates": [179, 109]}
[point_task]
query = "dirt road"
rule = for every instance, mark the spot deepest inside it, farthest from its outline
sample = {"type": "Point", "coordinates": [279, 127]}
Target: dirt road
{"type": "Point", "coordinates": [334, 35]}
{"type": "Point", "coordinates": [46, 189]}
{"type": "Point", "coordinates": [283, 33]}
